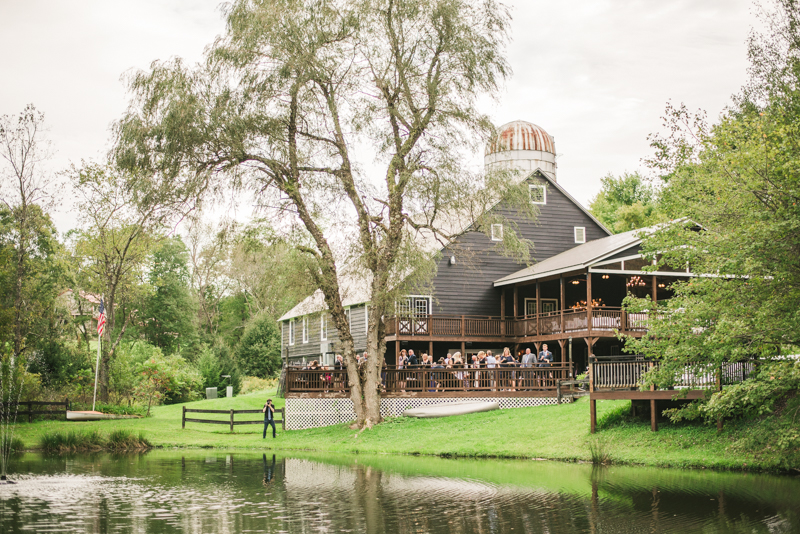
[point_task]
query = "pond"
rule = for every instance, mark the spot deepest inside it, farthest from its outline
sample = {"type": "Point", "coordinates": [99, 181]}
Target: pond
{"type": "Point", "coordinates": [218, 491]}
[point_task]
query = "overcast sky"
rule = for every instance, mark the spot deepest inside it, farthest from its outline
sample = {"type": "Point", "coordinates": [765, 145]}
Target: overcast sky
{"type": "Point", "coordinates": [595, 74]}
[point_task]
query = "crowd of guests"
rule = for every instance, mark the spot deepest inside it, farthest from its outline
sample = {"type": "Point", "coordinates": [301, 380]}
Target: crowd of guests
{"type": "Point", "coordinates": [482, 370]}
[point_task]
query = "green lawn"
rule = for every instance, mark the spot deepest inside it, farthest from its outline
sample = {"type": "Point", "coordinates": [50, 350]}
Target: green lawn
{"type": "Point", "coordinates": [551, 432]}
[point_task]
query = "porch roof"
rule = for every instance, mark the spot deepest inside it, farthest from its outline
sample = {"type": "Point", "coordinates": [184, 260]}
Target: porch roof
{"type": "Point", "coordinates": [577, 258]}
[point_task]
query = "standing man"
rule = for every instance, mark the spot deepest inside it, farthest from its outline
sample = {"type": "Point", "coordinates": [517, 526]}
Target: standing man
{"type": "Point", "coordinates": [269, 418]}
{"type": "Point", "coordinates": [528, 360]}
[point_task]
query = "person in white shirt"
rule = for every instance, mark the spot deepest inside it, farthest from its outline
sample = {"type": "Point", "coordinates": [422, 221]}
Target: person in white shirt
{"type": "Point", "coordinates": [491, 363]}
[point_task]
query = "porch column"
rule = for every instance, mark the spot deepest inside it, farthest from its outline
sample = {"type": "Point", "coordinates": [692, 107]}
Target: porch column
{"type": "Point", "coordinates": [589, 306]}
{"type": "Point", "coordinates": [464, 351]}
{"type": "Point", "coordinates": [538, 310]}
{"type": "Point", "coordinates": [430, 349]}
{"type": "Point", "coordinates": [655, 289]}
{"type": "Point", "coordinates": [503, 312]}
{"type": "Point", "coordinates": [563, 299]}
{"type": "Point", "coordinates": [516, 301]}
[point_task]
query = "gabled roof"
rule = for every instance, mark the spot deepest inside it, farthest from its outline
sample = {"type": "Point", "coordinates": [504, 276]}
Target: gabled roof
{"type": "Point", "coordinates": [354, 290]}
{"type": "Point", "coordinates": [577, 258]}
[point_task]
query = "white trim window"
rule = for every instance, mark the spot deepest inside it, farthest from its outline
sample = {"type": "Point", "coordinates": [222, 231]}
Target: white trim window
{"type": "Point", "coordinates": [291, 331]}
{"type": "Point", "coordinates": [305, 329]}
{"type": "Point", "coordinates": [323, 326]}
{"type": "Point", "coordinates": [580, 234]}
{"type": "Point", "coordinates": [497, 232]}
{"type": "Point", "coordinates": [538, 194]}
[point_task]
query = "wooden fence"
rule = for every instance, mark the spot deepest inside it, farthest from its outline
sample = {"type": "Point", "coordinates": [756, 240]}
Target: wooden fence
{"type": "Point", "coordinates": [232, 422]}
{"type": "Point", "coordinates": [30, 412]}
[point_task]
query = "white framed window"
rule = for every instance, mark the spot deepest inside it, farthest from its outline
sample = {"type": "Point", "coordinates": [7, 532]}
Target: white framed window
{"type": "Point", "coordinates": [538, 194]}
{"type": "Point", "coordinates": [305, 329]}
{"type": "Point", "coordinates": [291, 331]}
{"type": "Point", "coordinates": [497, 232]}
{"type": "Point", "coordinates": [530, 307]}
{"type": "Point", "coordinates": [323, 326]}
{"type": "Point", "coordinates": [580, 234]}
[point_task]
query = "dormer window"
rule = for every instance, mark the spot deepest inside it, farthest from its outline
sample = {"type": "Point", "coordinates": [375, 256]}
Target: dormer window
{"type": "Point", "coordinates": [538, 194]}
{"type": "Point", "coordinates": [580, 234]}
{"type": "Point", "coordinates": [497, 232]}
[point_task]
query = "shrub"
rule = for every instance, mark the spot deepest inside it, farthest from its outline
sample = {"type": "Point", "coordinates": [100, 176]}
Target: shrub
{"type": "Point", "coordinates": [80, 441]}
{"type": "Point", "coordinates": [598, 449]}
{"type": "Point", "coordinates": [215, 362]}
{"type": "Point", "coordinates": [72, 441]}
{"type": "Point", "coordinates": [253, 384]}
{"type": "Point", "coordinates": [123, 440]}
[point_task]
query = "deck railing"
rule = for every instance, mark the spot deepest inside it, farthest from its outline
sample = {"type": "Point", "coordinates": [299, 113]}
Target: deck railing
{"type": "Point", "coordinates": [604, 318]}
{"type": "Point", "coordinates": [430, 380]}
{"type": "Point", "coordinates": [627, 372]}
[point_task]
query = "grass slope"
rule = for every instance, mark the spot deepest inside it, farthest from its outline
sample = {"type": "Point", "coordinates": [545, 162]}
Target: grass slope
{"type": "Point", "coordinates": [551, 432]}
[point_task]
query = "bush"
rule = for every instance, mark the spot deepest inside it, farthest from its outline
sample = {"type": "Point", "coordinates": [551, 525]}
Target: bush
{"type": "Point", "coordinates": [253, 384]}
{"type": "Point", "coordinates": [754, 397]}
{"type": "Point", "coordinates": [72, 441]}
{"type": "Point", "coordinates": [259, 351]}
{"type": "Point", "coordinates": [216, 362]}
{"type": "Point", "coordinates": [75, 441]}
{"type": "Point", "coordinates": [123, 440]}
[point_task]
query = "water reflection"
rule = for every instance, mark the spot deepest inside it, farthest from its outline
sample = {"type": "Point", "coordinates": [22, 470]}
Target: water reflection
{"type": "Point", "coordinates": [176, 491]}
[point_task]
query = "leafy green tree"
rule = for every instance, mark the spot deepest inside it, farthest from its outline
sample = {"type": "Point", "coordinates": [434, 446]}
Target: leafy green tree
{"type": "Point", "coordinates": [119, 232]}
{"type": "Point", "coordinates": [169, 312]}
{"type": "Point", "coordinates": [626, 203]}
{"type": "Point", "coordinates": [737, 183]}
{"type": "Point", "coordinates": [293, 93]}
{"type": "Point", "coordinates": [27, 236]}
{"type": "Point", "coordinates": [259, 351]}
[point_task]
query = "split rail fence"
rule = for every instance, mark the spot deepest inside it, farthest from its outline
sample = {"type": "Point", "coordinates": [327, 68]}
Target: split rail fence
{"type": "Point", "coordinates": [30, 412]}
{"type": "Point", "coordinates": [232, 421]}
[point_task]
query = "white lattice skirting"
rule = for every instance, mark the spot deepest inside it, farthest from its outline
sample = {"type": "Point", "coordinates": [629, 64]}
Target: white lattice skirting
{"type": "Point", "coordinates": [312, 413]}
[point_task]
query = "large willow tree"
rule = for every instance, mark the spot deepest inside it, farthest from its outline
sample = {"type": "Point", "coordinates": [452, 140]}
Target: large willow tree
{"type": "Point", "coordinates": [348, 121]}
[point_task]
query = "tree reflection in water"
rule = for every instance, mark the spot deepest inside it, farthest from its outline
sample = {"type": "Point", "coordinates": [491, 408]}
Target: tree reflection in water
{"type": "Point", "coordinates": [167, 491]}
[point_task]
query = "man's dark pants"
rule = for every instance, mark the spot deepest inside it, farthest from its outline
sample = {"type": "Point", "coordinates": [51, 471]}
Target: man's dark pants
{"type": "Point", "coordinates": [267, 423]}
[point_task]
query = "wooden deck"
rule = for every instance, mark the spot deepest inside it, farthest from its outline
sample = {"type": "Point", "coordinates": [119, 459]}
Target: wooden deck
{"type": "Point", "coordinates": [621, 378]}
{"type": "Point", "coordinates": [582, 322]}
{"type": "Point", "coordinates": [436, 382]}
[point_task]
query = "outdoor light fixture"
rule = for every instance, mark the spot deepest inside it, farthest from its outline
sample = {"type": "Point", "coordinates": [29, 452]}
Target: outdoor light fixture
{"type": "Point", "coordinates": [605, 277]}
{"type": "Point", "coordinates": [576, 282]}
{"type": "Point", "coordinates": [452, 260]}
{"type": "Point", "coordinates": [635, 281]}
{"type": "Point", "coordinates": [662, 286]}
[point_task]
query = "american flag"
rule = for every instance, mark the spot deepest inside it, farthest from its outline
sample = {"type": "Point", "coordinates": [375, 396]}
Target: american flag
{"type": "Point", "coordinates": [101, 319]}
